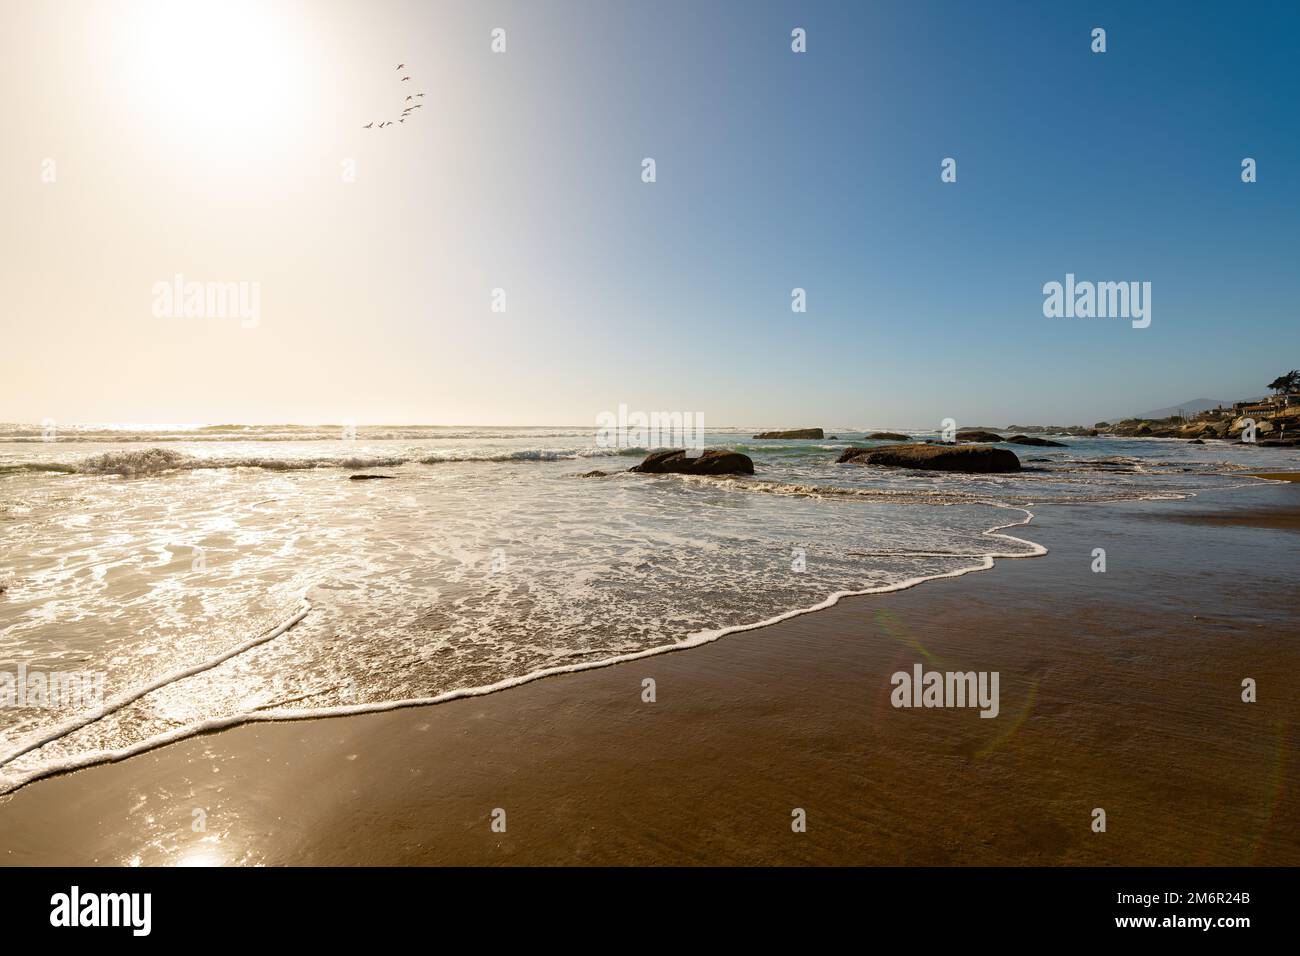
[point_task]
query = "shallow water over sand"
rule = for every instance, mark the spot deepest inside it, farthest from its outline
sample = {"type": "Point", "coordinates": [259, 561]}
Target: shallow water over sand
{"type": "Point", "coordinates": [486, 559]}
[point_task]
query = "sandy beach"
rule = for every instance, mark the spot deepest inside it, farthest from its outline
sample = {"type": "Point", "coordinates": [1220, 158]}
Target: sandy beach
{"type": "Point", "coordinates": [1119, 690]}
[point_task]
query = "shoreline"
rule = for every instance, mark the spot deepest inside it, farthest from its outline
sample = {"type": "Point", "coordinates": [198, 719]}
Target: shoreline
{"type": "Point", "coordinates": [796, 715]}
{"type": "Point", "coordinates": [216, 725]}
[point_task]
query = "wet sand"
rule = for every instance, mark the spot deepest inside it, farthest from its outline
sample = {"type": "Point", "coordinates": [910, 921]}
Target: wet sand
{"type": "Point", "coordinates": [1119, 690]}
{"type": "Point", "coordinates": [1281, 519]}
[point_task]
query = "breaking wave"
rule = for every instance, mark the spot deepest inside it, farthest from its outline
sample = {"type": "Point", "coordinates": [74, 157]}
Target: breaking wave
{"type": "Point", "coordinates": [157, 461]}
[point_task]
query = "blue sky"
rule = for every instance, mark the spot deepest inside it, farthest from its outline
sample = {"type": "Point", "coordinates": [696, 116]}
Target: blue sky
{"type": "Point", "coordinates": [822, 171]}
{"type": "Point", "coordinates": [775, 170]}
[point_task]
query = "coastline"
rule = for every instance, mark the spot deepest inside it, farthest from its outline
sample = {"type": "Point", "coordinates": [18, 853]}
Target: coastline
{"type": "Point", "coordinates": [987, 563]}
{"type": "Point", "coordinates": [794, 715]}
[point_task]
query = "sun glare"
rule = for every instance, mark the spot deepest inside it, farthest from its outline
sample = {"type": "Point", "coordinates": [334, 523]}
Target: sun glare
{"type": "Point", "coordinates": [213, 71]}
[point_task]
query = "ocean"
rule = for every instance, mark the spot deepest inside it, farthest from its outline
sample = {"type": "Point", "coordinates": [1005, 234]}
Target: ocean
{"type": "Point", "coordinates": [212, 575]}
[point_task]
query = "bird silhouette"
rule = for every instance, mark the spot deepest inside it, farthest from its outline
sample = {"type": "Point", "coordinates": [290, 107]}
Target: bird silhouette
{"type": "Point", "coordinates": [405, 113]}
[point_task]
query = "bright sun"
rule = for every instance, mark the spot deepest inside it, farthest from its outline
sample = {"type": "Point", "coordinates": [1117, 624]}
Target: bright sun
{"type": "Point", "coordinates": [224, 69]}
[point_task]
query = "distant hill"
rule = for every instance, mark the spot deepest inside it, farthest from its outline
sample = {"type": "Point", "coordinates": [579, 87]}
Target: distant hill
{"type": "Point", "coordinates": [1193, 407]}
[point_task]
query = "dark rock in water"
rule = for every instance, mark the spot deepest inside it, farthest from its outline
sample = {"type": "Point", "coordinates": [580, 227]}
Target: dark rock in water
{"type": "Point", "coordinates": [888, 436]}
{"type": "Point", "coordinates": [1279, 442]}
{"type": "Point", "coordinates": [594, 474]}
{"type": "Point", "coordinates": [1196, 441]}
{"type": "Point", "coordinates": [371, 477]}
{"type": "Point", "coordinates": [969, 458]}
{"type": "Point", "coordinates": [834, 438]}
{"type": "Point", "coordinates": [794, 433]}
{"type": "Point", "coordinates": [975, 435]}
{"type": "Point", "coordinates": [711, 462]}
{"type": "Point", "coordinates": [1042, 442]}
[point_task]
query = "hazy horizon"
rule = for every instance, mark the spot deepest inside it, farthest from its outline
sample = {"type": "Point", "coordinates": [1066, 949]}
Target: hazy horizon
{"type": "Point", "coordinates": [915, 424]}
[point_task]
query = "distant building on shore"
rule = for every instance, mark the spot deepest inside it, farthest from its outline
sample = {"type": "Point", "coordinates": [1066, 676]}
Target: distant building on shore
{"type": "Point", "coordinates": [1283, 404]}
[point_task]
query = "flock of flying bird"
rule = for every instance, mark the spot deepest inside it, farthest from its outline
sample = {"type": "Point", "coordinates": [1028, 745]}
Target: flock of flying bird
{"type": "Point", "coordinates": [407, 111]}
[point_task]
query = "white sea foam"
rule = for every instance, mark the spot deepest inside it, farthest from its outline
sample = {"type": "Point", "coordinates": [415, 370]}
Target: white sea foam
{"type": "Point", "coordinates": [62, 730]}
{"type": "Point", "coordinates": [483, 568]}
{"type": "Point", "coordinates": [11, 782]}
{"type": "Point", "coordinates": [137, 463]}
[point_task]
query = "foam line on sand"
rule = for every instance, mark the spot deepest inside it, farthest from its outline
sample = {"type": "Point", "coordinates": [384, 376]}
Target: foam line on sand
{"type": "Point", "coordinates": [9, 783]}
